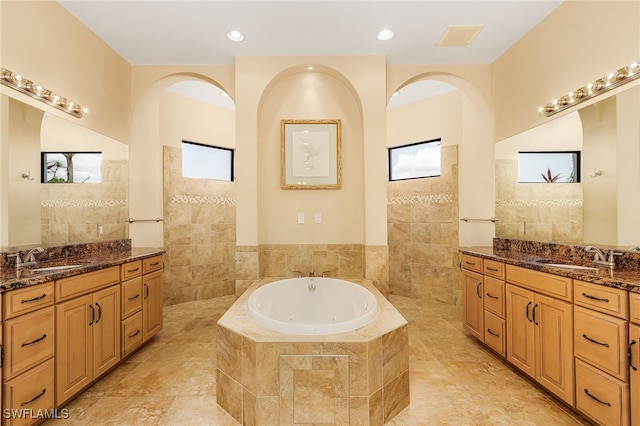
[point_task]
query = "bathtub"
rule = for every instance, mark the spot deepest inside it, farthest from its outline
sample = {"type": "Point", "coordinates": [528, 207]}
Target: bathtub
{"type": "Point", "coordinates": [312, 306]}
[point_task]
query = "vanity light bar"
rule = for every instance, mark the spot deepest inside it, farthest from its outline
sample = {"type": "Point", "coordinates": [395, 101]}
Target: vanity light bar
{"type": "Point", "coordinates": [28, 87]}
{"type": "Point", "coordinates": [598, 87]}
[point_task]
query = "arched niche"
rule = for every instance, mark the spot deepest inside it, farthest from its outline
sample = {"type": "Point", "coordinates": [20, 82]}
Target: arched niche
{"type": "Point", "coordinates": [299, 93]}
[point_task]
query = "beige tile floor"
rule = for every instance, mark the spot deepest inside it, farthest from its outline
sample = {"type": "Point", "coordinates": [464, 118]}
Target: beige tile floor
{"type": "Point", "coordinates": [454, 379]}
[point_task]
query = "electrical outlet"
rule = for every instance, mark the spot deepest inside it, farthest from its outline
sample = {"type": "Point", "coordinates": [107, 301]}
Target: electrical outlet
{"type": "Point", "coordinates": [318, 217]}
{"type": "Point", "coordinates": [300, 218]}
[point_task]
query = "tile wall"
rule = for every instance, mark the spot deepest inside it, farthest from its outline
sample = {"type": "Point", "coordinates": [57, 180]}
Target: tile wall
{"type": "Point", "coordinates": [422, 221]}
{"type": "Point", "coordinates": [72, 213]}
{"type": "Point", "coordinates": [199, 234]}
{"type": "Point", "coordinates": [334, 260]}
{"type": "Point", "coordinates": [537, 211]}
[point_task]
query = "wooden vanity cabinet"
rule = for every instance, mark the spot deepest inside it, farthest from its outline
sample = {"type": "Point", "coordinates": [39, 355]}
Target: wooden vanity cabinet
{"type": "Point", "coordinates": [88, 329]}
{"type": "Point", "coordinates": [473, 315]}
{"type": "Point", "coordinates": [601, 349]}
{"type": "Point", "coordinates": [28, 339]}
{"type": "Point", "coordinates": [483, 300]}
{"type": "Point", "coordinates": [131, 304]}
{"type": "Point", "coordinates": [540, 329]}
{"type": "Point", "coordinates": [152, 297]}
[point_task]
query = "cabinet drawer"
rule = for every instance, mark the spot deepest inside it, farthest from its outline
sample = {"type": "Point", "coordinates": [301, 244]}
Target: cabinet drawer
{"type": "Point", "coordinates": [130, 270]}
{"type": "Point", "coordinates": [493, 268]}
{"type": "Point", "coordinates": [471, 263]}
{"type": "Point", "coordinates": [601, 340]}
{"type": "Point", "coordinates": [67, 288]}
{"type": "Point", "coordinates": [32, 391]}
{"type": "Point", "coordinates": [494, 296]}
{"type": "Point", "coordinates": [601, 397]}
{"type": "Point", "coordinates": [131, 296]}
{"type": "Point", "coordinates": [29, 341]}
{"type": "Point", "coordinates": [634, 307]}
{"type": "Point", "coordinates": [612, 301]}
{"type": "Point", "coordinates": [542, 282]}
{"type": "Point", "coordinates": [151, 264]}
{"type": "Point", "coordinates": [494, 333]}
{"type": "Point", "coordinates": [24, 300]}
{"type": "Point", "coordinates": [131, 333]}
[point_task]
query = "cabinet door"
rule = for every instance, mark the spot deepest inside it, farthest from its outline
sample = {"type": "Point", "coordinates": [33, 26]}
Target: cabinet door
{"type": "Point", "coordinates": [152, 305]}
{"type": "Point", "coordinates": [634, 371]}
{"type": "Point", "coordinates": [106, 330]}
{"type": "Point", "coordinates": [74, 354]}
{"type": "Point", "coordinates": [472, 291]}
{"type": "Point", "coordinates": [553, 321]}
{"type": "Point", "coordinates": [520, 329]}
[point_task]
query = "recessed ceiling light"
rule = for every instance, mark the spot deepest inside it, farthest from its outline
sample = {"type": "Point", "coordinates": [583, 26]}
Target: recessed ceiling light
{"type": "Point", "coordinates": [385, 34]}
{"type": "Point", "coordinates": [235, 35]}
{"type": "Point", "coordinates": [309, 68]}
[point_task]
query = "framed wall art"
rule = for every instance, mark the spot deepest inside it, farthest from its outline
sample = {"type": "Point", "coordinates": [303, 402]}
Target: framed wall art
{"type": "Point", "coordinates": [311, 156]}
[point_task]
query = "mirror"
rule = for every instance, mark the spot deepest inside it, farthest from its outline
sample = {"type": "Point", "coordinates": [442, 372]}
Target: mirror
{"type": "Point", "coordinates": [56, 214]}
{"type": "Point", "coordinates": [602, 208]}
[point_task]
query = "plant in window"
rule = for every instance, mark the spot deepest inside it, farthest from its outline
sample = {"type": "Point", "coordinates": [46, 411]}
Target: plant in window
{"type": "Point", "coordinates": [549, 176]}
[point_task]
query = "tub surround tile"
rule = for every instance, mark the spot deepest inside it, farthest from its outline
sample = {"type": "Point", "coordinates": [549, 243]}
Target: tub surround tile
{"type": "Point", "coordinates": [229, 395]}
{"type": "Point", "coordinates": [315, 378]}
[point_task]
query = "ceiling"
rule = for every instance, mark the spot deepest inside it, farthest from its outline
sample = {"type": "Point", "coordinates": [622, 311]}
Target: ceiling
{"type": "Point", "coordinates": [147, 32]}
{"type": "Point", "coordinates": [151, 32]}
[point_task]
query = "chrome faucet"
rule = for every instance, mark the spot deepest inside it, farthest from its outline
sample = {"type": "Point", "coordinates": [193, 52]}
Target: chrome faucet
{"type": "Point", "coordinates": [599, 257]}
{"type": "Point", "coordinates": [30, 258]}
{"type": "Point", "coordinates": [312, 274]}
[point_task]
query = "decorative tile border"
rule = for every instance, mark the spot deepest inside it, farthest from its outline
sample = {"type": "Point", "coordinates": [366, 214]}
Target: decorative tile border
{"type": "Point", "coordinates": [83, 203]}
{"type": "Point", "coordinates": [199, 199]}
{"type": "Point", "coordinates": [422, 199]}
{"type": "Point", "coordinates": [539, 203]}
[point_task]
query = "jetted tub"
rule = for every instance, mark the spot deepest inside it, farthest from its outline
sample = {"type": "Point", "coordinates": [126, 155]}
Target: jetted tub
{"type": "Point", "coordinates": [313, 306]}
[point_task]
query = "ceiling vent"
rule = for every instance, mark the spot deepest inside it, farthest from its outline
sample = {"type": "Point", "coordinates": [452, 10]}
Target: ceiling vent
{"type": "Point", "coordinates": [459, 35]}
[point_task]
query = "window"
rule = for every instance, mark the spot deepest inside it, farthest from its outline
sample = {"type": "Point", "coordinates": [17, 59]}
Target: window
{"type": "Point", "coordinates": [207, 162]}
{"type": "Point", "coordinates": [71, 167]}
{"type": "Point", "coordinates": [416, 160]}
{"type": "Point", "coordinates": [549, 167]}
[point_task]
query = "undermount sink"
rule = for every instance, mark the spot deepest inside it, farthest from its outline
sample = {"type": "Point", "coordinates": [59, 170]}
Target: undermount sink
{"type": "Point", "coordinates": [567, 266]}
{"type": "Point", "coordinates": [54, 268]}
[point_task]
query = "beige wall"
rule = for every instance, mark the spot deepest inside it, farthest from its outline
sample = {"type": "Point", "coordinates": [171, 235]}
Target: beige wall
{"type": "Point", "coordinates": [422, 214]}
{"type": "Point", "coordinates": [475, 145]}
{"type": "Point", "coordinates": [310, 96]}
{"type": "Point", "coordinates": [579, 42]}
{"type": "Point", "coordinates": [258, 91]}
{"type": "Point", "coordinates": [46, 44]}
{"type": "Point", "coordinates": [199, 214]}
{"type": "Point", "coordinates": [23, 130]}
{"type": "Point", "coordinates": [147, 139]}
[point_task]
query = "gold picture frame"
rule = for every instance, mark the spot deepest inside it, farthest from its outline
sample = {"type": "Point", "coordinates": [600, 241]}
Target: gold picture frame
{"type": "Point", "coordinates": [311, 154]}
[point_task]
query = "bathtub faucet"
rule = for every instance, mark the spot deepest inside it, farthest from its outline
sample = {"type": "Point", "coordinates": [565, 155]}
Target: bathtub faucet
{"type": "Point", "coordinates": [299, 273]}
{"type": "Point", "coordinates": [312, 274]}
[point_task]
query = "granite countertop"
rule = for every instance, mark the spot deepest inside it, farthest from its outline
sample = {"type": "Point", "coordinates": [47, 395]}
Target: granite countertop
{"type": "Point", "coordinates": [624, 277]}
{"type": "Point", "coordinates": [12, 278]}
